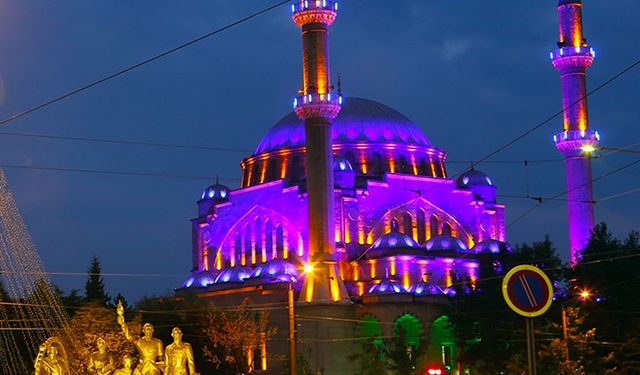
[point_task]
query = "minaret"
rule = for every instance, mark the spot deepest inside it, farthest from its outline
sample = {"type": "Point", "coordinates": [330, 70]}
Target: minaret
{"type": "Point", "coordinates": [571, 59]}
{"type": "Point", "coordinates": [317, 107]}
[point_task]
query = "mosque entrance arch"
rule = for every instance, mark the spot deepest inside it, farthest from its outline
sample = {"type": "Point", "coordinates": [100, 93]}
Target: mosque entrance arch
{"type": "Point", "coordinates": [442, 351]}
{"type": "Point", "coordinates": [370, 329]}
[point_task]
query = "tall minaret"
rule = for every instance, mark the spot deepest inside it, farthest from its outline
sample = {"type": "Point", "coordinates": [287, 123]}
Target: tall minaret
{"type": "Point", "coordinates": [317, 107]}
{"type": "Point", "coordinates": [571, 59]}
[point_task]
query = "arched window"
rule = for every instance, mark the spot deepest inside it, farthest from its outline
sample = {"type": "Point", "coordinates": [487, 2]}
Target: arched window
{"type": "Point", "coordinates": [272, 169]}
{"type": "Point", "coordinates": [247, 259]}
{"type": "Point", "coordinates": [280, 241]}
{"type": "Point", "coordinates": [376, 165]}
{"type": "Point", "coordinates": [261, 255]}
{"type": "Point", "coordinates": [237, 249]}
{"type": "Point", "coordinates": [268, 240]}
{"type": "Point", "coordinates": [404, 165]}
{"type": "Point", "coordinates": [433, 226]}
{"type": "Point", "coordinates": [408, 224]}
{"type": "Point", "coordinates": [446, 229]}
{"type": "Point", "coordinates": [255, 173]}
{"type": "Point", "coordinates": [422, 226]}
{"type": "Point", "coordinates": [424, 168]}
{"type": "Point", "coordinates": [295, 170]}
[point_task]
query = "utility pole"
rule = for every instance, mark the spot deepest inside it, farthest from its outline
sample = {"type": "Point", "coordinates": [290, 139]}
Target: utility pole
{"type": "Point", "coordinates": [292, 333]}
{"type": "Point", "coordinates": [565, 335]}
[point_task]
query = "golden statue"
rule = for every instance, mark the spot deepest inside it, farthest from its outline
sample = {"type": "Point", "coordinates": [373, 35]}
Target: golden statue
{"type": "Point", "coordinates": [178, 357]}
{"type": "Point", "coordinates": [127, 369]}
{"type": "Point", "coordinates": [101, 362]}
{"type": "Point", "coordinates": [149, 348]}
{"type": "Point", "coordinates": [52, 358]}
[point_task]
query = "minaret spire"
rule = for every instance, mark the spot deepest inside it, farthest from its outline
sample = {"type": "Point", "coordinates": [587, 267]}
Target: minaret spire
{"type": "Point", "coordinates": [571, 59]}
{"type": "Point", "coordinates": [317, 107]}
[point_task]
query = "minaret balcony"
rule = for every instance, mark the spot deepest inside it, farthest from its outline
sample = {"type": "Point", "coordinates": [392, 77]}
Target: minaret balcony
{"type": "Point", "coordinates": [317, 105]}
{"type": "Point", "coordinates": [314, 11]}
{"type": "Point", "coordinates": [572, 57]}
{"type": "Point", "coordinates": [576, 142]}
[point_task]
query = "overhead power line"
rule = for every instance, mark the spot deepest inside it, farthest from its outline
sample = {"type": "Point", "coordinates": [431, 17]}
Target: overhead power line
{"type": "Point", "coordinates": [118, 173]}
{"type": "Point", "coordinates": [553, 116]}
{"type": "Point", "coordinates": [139, 64]}
{"type": "Point", "coordinates": [125, 142]}
{"type": "Point", "coordinates": [554, 197]}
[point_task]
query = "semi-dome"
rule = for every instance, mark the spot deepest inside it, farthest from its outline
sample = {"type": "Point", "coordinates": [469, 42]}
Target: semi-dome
{"type": "Point", "coordinates": [445, 242]}
{"type": "Point", "coordinates": [424, 288]}
{"type": "Point", "coordinates": [473, 177]}
{"type": "Point", "coordinates": [492, 246]}
{"type": "Point", "coordinates": [235, 274]}
{"type": "Point", "coordinates": [387, 286]}
{"type": "Point", "coordinates": [393, 243]}
{"type": "Point", "coordinates": [276, 270]}
{"type": "Point", "coordinates": [360, 120]}
{"type": "Point", "coordinates": [199, 279]}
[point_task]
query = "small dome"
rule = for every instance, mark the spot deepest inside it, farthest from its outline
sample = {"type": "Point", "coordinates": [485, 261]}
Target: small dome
{"type": "Point", "coordinates": [342, 165]}
{"type": "Point", "coordinates": [424, 288]}
{"type": "Point", "coordinates": [276, 270]}
{"type": "Point", "coordinates": [217, 193]}
{"type": "Point", "coordinates": [199, 279]}
{"type": "Point", "coordinates": [387, 286]}
{"type": "Point", "coordinates": [492, 246]}
{"type": "Point", "coordinates": [235, 274]}
{"type": "Point", "coordinates": [393, 243]}
{"type": "Point", "coordinates": [473, 177]}
{"type": "Point", "coordinates": [445, 242]}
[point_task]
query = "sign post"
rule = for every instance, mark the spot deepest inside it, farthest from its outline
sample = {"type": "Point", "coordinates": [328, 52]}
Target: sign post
{"type": "Point", "coordinates": [528, 292]}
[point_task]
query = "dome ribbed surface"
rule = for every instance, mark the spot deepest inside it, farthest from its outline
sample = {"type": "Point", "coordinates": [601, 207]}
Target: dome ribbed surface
{"type": "Point", "coordinates": [360, 120]}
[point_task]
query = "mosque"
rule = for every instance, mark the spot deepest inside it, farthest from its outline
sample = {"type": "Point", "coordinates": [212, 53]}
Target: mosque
{"type": "Point", "coordinates": [346, 204]}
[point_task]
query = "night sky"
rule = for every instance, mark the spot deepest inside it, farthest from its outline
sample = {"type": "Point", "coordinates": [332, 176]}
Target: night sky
{"type": "Point", "coordinates": [472, 74]}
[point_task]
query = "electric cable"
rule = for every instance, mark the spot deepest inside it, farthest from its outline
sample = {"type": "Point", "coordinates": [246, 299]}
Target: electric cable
{"type": "Point", "coordinates": [556, 114]}
{"type": "Point", "coordinates": [570, 190]}
{"type": "Point", "coordinates": [139, 64]}
{"type": "Point", "coordinates": [126, 142]}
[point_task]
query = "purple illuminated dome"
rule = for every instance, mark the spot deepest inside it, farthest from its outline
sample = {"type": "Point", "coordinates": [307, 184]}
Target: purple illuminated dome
{"type": "Point", "coordinates": [387, 286]}
{"type": "Point", "coordinates": [199, 279]}
{"type": "Point", "coordinates": [492, 246]}
{"type": "Point", "coordinates": [424, 288]}
{"type": "Point", "coordinates": [360, 120]}
{"type": "Point", "coordinates": [445, 242]}
{"type": "Point", "coordinates": [276, 270]}
{"type": "Point", "coordinates": [479, 183]}
{"type": "Point", "coordinates": [236, 274]}
{"type": "Point", "coordinates": [394, 243]}
{"type": "Point", "coordinates": [374, 139]}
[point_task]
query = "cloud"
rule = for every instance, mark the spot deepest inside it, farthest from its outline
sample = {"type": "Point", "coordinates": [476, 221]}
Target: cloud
{"type": "Point", "coordinates": [454, 48]}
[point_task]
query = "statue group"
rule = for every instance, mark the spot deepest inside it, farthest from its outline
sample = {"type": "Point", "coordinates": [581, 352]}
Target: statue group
{"type": "Point", "coordinates": [153, 358]}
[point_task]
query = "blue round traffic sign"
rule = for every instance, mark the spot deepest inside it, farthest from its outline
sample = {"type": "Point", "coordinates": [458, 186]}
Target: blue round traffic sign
{"type": "Point", "coordinates": [527, 291]}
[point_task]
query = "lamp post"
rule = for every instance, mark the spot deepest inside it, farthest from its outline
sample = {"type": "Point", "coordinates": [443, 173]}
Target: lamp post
{"type": "Point", "coordinates": [292, 333]}
{"type": "Point", "coordinates": [583, 296]}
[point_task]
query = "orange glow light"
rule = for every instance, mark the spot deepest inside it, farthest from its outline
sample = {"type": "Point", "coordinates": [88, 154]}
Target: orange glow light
{"type": "Point", "coordinates": [406, 282]}
{"type": "Point", "coordinates": [392, 165]}
{"type": "Point", "coordinates": [356, 271]}
{"type": "Point", "coordinates": [392, 266]}
{"type": "Point", "coordinates": [373, 268]}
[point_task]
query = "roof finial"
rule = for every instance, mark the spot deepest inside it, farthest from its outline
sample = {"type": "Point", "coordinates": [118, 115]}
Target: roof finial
{"type": "Point", "coordinates": [340, 84]}
{"type": "Point", "coordinates": [471, 165]}
{"type": "Point", "coordinates": [217, 180]}
{"type": "Point", "coordinates": [394, 225]}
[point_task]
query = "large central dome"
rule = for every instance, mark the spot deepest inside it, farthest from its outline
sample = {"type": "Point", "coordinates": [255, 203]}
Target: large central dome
{"type": "Point", "coordinates": [360, 120]}
{"type": "Point", "coordinates": [373, 138]}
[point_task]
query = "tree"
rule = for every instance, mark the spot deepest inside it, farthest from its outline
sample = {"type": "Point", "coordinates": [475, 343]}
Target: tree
{"type": "Point", "coordinates": [234, 339]}
{"type": "Point", "coordinates": [302, 366]}
{"type": "Point", "coordinates": [92, 322]}
{"type": "Point", "coordinates": [404, 358]}
{"type": "Point", "coordinates": [94, 291]}
{"type": "Point", "coordinates": [371, 358]}
{"type": "Point", "coordinates": [573, 355]}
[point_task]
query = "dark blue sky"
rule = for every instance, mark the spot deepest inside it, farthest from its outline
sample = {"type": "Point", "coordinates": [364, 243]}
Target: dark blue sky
{"type": "Point", "coordinates": [473, 76]}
